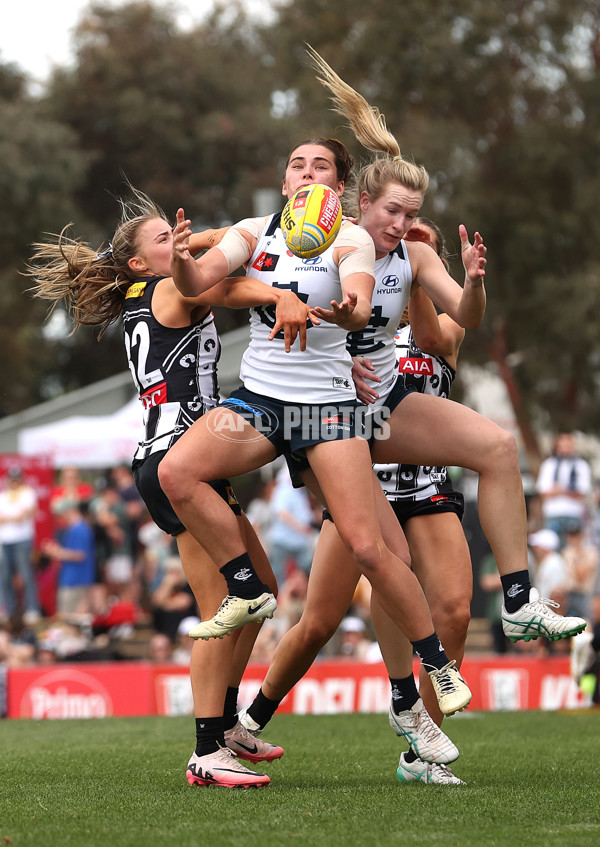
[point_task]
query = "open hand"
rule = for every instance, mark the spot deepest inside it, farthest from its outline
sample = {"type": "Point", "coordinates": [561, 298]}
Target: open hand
{"type": "Point", "coordinates": [472, 255]}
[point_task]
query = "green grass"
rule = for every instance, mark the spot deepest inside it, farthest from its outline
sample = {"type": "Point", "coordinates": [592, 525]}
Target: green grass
{"type": "Point", "coordinates": [533, 778]}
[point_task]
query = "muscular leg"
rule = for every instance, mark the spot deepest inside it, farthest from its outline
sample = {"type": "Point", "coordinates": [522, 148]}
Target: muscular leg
{"type": "Point", "coordinates": [218, 445]}
{"type": "Point", "coordinates": [441, 561]}
{"type": "Point", "coordinates": [211, 661]}
{"type": "Point", "coordinates": [332, 581]}
{"type": "Point", "coordinates": [333, 565]}
{"type": "Point", "coordinates": [343, 470]}
{"type": "Point", "coordinates": [247, 635]}
{"type": "Point", "coordinates": [446, 433]}
{"type": "Point", "coordinates": [220, 663]}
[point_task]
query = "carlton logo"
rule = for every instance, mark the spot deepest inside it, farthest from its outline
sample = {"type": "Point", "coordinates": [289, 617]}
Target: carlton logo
{"type": "Point", "coordinates": [65, 693]}
{"type": "Point", "coordinates": [422, 367]}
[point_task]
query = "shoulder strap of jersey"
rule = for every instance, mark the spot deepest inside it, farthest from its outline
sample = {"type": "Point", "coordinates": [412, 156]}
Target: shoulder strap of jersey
{"type": "Point", "coordinates": [273, 224]}
{"type": "Point", "coordinates": [400, 250]}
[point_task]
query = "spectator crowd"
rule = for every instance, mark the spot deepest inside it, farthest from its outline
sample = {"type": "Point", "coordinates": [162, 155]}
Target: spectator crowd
{"type": "Point", "coordinates": [108, 569]}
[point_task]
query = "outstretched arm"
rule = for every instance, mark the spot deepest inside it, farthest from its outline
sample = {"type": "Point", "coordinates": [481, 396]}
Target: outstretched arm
{"type": "Point", "coordinates": [435, 334]}
{"type": "Point", "coordinates": [465, 305]}
{"type": "Point", "coordinates": [194, 276]}
{"type": "Point", "coordinates": [291, 314]}
{"type": "Point", "coordinates": [200, 241]}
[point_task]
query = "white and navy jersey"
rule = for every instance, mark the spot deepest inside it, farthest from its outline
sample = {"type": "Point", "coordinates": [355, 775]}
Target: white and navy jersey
{"type": "Point", "coordinates": [323, 372]}
{"type": "Point", "coordinates": [428, 375]}
{"type": "Point", "coordinates": [174, 369]}
{"type": "Point", "coordinates": [393, 283]}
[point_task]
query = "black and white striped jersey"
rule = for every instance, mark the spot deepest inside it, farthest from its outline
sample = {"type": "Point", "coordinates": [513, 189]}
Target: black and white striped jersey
{"type": "Point", "coordinates": [428, 375]}
{"type": "Point", "coordinates": [174, 369]}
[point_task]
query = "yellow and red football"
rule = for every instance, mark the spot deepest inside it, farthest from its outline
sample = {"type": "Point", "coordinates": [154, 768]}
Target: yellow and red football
{"type": "Point", "coordinates": [311, 220]}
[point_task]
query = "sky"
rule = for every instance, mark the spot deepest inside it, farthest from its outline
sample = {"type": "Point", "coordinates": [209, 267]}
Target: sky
{"type": "Point", "coordinates": [37, 34]}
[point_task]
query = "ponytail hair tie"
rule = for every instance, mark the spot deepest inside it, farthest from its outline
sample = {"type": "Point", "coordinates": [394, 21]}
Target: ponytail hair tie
{"type": "Point", "coordinates": [106, 254]}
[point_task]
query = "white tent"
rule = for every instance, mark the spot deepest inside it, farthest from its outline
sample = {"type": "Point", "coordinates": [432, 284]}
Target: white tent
{"type": "Point", "coordinates": [97, 441]}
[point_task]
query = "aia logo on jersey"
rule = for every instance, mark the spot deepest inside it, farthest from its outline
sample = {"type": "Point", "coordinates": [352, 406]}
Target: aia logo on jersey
{"type": "Point", "coordinates": [154, 396]}
{"type": "Point", "coordinates": [420, 367]}
{"type": "Point", "coordinates": [265, 262]}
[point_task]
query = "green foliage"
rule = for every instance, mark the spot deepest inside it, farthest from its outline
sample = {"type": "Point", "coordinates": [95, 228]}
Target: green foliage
{"type": "Point", "coordinates": [177, 113]}
{"type": "Point", "coordinates": [121, 781]}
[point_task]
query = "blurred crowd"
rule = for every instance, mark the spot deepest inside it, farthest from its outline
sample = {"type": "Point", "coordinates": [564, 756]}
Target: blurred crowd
{"type": "Point", "coordinates": [109, 573]}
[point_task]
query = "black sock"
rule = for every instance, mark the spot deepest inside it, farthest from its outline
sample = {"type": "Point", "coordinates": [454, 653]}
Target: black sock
{"type": "Point", "coordinates": [404, 693]}
{"type": "Point", "coordinates": [430, 652]}
{"type": "Point", "coordinates": [262, 709]}
{"type": "Point", "coordinates": [516, 587]}
{"type": "Point", "coordinates": [209, 735]}
{"type": "Point", "coordinates": [230, 711]}
{"type": "Point", "coordinates": [241, 578]}
{"type": "Point", "coordinates": [411, 756]}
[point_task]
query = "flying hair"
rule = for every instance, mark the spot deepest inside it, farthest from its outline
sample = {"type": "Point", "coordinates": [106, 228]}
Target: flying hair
{"type": "Point", "coordinates": [369, 128]}
{"type": "Point", "coordinates": [366, 121]}
{"type": "Point", "coordinates": [90, 283]}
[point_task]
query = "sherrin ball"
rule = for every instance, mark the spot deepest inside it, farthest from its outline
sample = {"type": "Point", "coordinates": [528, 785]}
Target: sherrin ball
{"type": "Point", "coordinates": [311, 220]}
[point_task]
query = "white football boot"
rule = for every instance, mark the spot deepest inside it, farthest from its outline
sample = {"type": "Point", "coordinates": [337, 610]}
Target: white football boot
{"type": "Point", "coordinates": [429, 772]}
{"type": "Point", "coordinates": [424, 736]}
{"type": "Point", "coordinates": [451, 690]}
{"type": "Point", "coordinates": [536, 619]}
{"type": "Point", "coordinates": [233, 613]}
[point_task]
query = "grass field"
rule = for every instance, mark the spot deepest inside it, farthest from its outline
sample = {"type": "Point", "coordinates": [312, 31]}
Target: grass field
{"type": "Point", "coordinates": [533, 778]}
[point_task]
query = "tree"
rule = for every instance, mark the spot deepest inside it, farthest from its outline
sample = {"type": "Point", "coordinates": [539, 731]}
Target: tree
{"type": "Point", "coordinates": [500, 101]}
{"type": "Point", "coordinates": [41, 168]}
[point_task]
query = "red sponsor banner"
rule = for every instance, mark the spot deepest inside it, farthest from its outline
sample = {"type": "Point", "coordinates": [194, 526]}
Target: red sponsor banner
{"type": "Point", "coordinates": [329, 687]}
{"type": "Point", "coordinates": [95, 690]}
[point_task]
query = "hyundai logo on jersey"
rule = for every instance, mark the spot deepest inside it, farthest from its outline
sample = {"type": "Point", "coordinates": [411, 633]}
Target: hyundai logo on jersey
{"type": "Point", "coordinates": [316, 260]}
{"type": "Point", "coordinates": [390, 280]}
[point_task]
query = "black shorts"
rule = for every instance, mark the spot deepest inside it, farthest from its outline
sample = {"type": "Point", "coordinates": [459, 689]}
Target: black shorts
{"type": "Point", "coordinates": [145, 474]}
{"type": "Point", "coordinates": [450, 501]}
{"type": "Point", "coordinates": [291, 427]}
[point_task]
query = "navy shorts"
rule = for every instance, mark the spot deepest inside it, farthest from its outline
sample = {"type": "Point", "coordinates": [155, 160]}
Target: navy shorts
{"type": "Point", "coordinates": [291, 427]}
{"type": "Point", "coordinates": [145, 474]}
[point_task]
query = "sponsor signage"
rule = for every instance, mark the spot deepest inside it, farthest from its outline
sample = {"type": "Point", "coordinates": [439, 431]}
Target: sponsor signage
{"type": "Point", "coordinates": [330, 687]}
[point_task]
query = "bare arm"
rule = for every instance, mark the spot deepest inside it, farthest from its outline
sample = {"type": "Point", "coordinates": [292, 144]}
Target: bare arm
{"type": "Point", "coordinates": [206, 239]}
{"type": "Point", "coordinates": [435, 334]}
{"type": "Point", "coordinates": [291, 313]}
{"type": "Point", "coordinates": [194, 276]}
{"type": "Point", "coordinates": [464, 305]}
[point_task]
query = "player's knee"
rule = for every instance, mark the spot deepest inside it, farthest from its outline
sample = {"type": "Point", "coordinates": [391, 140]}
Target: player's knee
{"type": "Point", "coordinates": [316, 633]}
{"type": "Point", "coordinates": [453, 618]}
{"type": "Point", "coordinates": [504, 452]}
{"type": "Point", "coordinates": [171, 477]}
